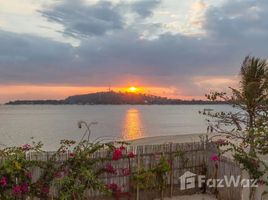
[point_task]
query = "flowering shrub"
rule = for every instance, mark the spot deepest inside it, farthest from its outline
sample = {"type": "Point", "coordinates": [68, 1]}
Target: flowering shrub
{"type": "Point", "coordinates": [72, 177]}
{"type": "Point", "coordinates": [131, 155]}
{"type": "Point", "coordinates": [15, 175]}
{"type": "Point", "coordinates": [117, 154]}
{"type": "Point", "coordinates": [214, 158]}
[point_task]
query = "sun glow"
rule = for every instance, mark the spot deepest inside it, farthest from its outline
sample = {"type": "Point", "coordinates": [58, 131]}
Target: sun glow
{"type": "Point", "coordinates": [133, 89]}
{"type": "Point", "coordinates": [133, 128]}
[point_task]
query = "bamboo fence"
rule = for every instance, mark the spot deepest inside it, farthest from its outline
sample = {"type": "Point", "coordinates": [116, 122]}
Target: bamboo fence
{"type": "Point", "coordinates": [193, 157]}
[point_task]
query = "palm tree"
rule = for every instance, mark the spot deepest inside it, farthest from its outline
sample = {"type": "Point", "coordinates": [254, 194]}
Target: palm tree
{"type": "Point", "coordinates": [251, 98]}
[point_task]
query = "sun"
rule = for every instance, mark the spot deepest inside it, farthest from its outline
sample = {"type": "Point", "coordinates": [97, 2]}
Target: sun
{"type": "Point", "coordinates": [133, 89]}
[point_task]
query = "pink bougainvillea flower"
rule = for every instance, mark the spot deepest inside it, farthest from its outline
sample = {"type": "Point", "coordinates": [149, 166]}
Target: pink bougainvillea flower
{"type": "Point", "coordinates": [131, 155]}
{"type": "Point", "coordinates": [16, 189]}
{"type": "Point", "coordinates": [71, 155]}
{"type": "Point", "coordinates": [214, 158]}
{"type": "Point", "coordinates": [126, 171]}
{"type": "Point", "coordinates": [114, 187]}
{"type": "Point", "coordinates": [117, 154]}
{"type": "Point", "coordinates": [45, 189]}
{"type": "Point", "coordinates": [29, 175]}
{"type": "Point", "coordinates": [110, 169]}
{"type": "Point", "coordinates": [3, 181]}
{"type": "Point", "coordinates": [57, 174]}
{"type": "Point", "coordinates": [122, 148]}
{"type": "Point", "coordinates": [26, 147]}
{"type": "Point", "coordinates": [24, 188]}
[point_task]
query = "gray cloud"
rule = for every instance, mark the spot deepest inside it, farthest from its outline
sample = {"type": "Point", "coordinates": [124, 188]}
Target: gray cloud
{"type": "Point", "coordinates": [235, 29]}
{"type": "Point", "coordinates": [145, 8]}
{"type": "Point", "coordinates": [80, 19]}
{"type": "Point", "coordinates": [238, 19]}
{"type": "Point", "coordinates": [27, 58]}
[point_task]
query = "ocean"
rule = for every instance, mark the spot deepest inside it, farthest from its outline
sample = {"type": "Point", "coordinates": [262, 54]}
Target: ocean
{"type": "Point", "coordinates": [52, 123]}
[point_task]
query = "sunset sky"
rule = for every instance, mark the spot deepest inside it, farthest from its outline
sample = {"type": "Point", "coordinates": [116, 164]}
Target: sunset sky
{"type": "Point", "coordinates": [50, 49]}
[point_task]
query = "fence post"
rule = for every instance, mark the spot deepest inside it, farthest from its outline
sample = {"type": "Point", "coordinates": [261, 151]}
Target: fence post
{"type": "Point", "coordinates": [138, 169]}
{"type": "Point", "coordinates": [171, 170]}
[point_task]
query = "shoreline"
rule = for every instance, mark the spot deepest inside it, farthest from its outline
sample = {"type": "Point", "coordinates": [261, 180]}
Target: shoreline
{"type": "Point", "coordinates": [185, 138]}
{"type": "Point", "coordinates": [167, 139]}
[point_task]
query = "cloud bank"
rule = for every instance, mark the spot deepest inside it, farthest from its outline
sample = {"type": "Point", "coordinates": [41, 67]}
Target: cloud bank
{"type": "Point", "coordinates": [113, 50]}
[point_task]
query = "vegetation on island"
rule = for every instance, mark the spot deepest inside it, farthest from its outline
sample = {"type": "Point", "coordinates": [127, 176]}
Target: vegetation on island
{"type": "Point", "coordinates": [114, 98]}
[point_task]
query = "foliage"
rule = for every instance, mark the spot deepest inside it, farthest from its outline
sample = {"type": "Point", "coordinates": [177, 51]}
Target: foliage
{"type": "Point", "coordinates": [72, 177]}
{"type": "Point", "coordinates": [15, 174]}
{"type": "Point", "coordinates": [155, 177]}
{"type": "Point", "coordinates": [245, 129]}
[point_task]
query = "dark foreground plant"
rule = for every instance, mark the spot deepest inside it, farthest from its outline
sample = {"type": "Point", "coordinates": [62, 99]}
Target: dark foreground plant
{"type": "Point", "coordinates": [245, 130]}
{"type": "Point", "coordinates": [15, 172]}
{"type": "Point", "coordinates": [67, 174]}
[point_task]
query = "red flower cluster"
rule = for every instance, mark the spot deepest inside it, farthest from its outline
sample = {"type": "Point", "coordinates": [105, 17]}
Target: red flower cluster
{"type": "Point", "coordinates": [45, 190]}
{"type": "Point", "coordinates": [23, 188]}
{"type": "Point", "coordinates": [117, 191]}
{"type": "Point", "coordinates": [29, 175]}
{"type": "Point", "coordinates": [26, 147]}
{"type": "Point", "coordinates": [16, 189]}
{"type": "Point", "coordinates": [131, 155]}
{"type": "Point", "coordinates": [71, 155]}
{"type": "Point", "coordinates": [3, 181]}
{"type": "Point", "coordinates": [110, 169]}
{"type": "Point", "coordinates": [126, 171]}
{"type": "Point", "coordinates": [114, 188]}
{"type": "Point", "coordinates": [214, 158]}
{"type": "Point", "coordinates": [117, 154]}
{"type": "Point", "coordinates": [122, 148]}
{"type": "Point", "coordinates": [57, 174]}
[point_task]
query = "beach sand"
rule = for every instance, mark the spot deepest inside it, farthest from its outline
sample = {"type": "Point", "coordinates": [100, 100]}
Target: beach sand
{"type": "Point", "coordinates": [179, 139]}
{"type": "Point", "coordinates": [167, 139]}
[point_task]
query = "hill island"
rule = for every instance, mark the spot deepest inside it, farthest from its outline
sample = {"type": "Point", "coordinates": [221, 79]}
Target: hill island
{"type": "Point", "coordinates": [113, 98]}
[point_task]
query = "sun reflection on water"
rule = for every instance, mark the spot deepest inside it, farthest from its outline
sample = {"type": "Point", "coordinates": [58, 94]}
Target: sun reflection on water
{"type": "Point", "coordinates": [132, 125]}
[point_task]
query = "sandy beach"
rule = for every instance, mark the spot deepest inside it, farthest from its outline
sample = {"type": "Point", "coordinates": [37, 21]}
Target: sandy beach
{"type": "Point", "coordinates": [168, 139]}
{"type": "Point", "coordinates": [178, 139]}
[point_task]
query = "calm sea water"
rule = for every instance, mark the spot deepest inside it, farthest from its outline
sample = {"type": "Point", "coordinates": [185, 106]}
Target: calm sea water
{"type": "Point", "coordinates": [50, 124]}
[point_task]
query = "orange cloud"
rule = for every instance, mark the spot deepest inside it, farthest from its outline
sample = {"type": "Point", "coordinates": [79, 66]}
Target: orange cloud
{"type": "Point", "coordinates": [31, 92]}
{"type": "Point", "coordinates": [218, 83]}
